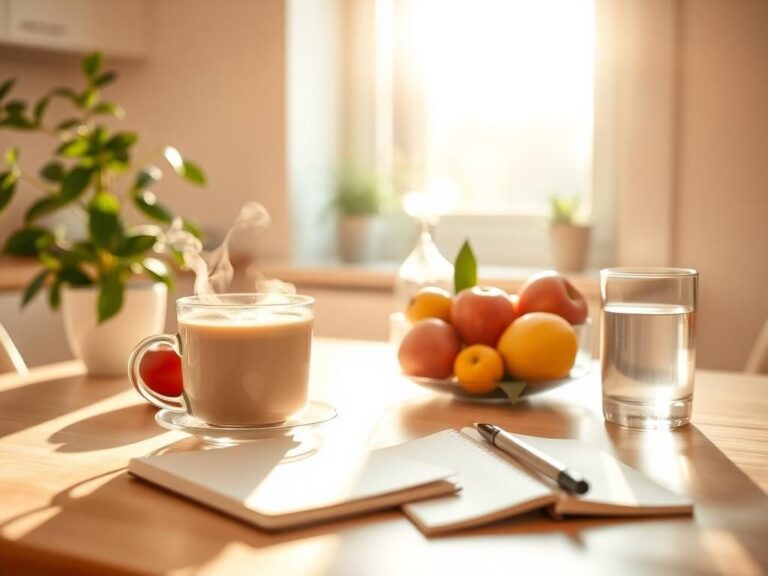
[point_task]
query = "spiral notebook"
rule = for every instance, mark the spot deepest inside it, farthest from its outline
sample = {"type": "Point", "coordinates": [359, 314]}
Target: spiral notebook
{"type": "Point", "coordinates": [255, 483]}
{"type": "Point", "coordinates": [494, 486]}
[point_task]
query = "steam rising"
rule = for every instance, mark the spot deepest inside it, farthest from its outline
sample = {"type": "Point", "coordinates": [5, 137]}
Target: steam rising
{"type": "Point", "coordinates": [213, 270]}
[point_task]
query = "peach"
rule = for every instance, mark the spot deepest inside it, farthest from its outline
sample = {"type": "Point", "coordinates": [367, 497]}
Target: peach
{"type": "Point", "coordinates": [551, 292]}
{"type": "Point", "coordinates": [429, 349]}
{"type": "Point", "coordinates": [480, 314]}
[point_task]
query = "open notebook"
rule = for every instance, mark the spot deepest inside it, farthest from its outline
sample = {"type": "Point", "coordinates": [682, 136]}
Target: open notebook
{"type": "Point", "coordinates": [253, 482]}
{"type": "Point", "coordinates": [494, 486]}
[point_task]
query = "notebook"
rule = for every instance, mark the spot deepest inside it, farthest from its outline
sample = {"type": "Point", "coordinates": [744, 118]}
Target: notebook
{"type": "Point", "coordinates": [494, 486]}
{"type": "Point", "coordinates": [254, 482]}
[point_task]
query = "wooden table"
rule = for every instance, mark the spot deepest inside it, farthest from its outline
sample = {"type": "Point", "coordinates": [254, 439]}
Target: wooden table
{"type": "Point", "coordinates": [67, 504]}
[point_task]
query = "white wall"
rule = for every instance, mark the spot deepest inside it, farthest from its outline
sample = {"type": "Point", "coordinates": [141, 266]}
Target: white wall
{"type": "Point", "coordinates": [214, 87]}
{"type": "Point", "coordinates": [721, 211]}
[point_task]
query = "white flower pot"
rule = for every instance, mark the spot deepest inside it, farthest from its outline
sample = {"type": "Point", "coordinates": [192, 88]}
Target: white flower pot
{"type": "Point", "coordinates": [357, 237]}
{"type": "Point", "coordinates": [570, 246]}
{"type": "Point", "coordinates": [104, 348]}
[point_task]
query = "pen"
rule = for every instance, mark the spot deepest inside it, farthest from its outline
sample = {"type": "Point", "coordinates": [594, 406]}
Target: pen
{"type": "Point", "coordinates": [566, 478]}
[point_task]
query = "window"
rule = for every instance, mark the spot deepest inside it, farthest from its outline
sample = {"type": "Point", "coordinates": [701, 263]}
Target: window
{"type": "Point", "coordinates": [493, 103]}
{"type": "Point", "coordinates": [488, 104]}
{"type": "Point", "coordinates": [508, 99]}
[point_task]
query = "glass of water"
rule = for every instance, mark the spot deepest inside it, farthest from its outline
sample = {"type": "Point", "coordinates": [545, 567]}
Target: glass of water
{"type": "Point", "coordinates": [648, 345]}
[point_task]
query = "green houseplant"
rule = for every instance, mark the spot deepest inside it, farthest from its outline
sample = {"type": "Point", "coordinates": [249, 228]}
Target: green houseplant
{"type": "Point", "coordinates": [92, 173]}
{"type": "Point", "coordinates": [357, 200]}
{"type": "Point", "coordinates": [569, 238]}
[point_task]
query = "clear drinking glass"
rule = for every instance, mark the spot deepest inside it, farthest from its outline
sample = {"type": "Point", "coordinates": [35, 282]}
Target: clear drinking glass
{"type": "Point", "coordinates": [648, 345]}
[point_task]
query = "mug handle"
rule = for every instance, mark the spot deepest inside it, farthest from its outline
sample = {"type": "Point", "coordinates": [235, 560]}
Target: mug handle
{"type": "Point", "coordinates": [172, 403]}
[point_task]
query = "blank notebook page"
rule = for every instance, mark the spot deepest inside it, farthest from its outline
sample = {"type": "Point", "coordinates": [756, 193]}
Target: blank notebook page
{"type": "Point", "coordinates": [252, 477]}
{"type": "Point", "coordinates": [614, 488]}
{"type": "Point", "coordinates": [491, 488]}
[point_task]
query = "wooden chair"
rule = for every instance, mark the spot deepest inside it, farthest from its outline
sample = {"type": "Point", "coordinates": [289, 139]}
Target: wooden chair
{"type": "Point", "coordinates": [10, 359]}
{"type": "Point", "coordinates": [757, 363]}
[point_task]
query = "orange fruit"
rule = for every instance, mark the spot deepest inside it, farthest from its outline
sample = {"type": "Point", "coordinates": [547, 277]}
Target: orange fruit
{"type": "Point", "coordinates": [539, 346]}
{"type": "Point", "coordinates": [430, 302]}
{"type": "Point", "coordinates": [478, 368]}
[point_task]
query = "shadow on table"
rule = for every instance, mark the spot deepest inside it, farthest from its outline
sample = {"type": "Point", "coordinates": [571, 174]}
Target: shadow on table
{"type": "Point", "coordinates": [426, 415]}
{"type": "Point", "coordinates": [119, 521]}
{"type": "Point", "coordinates": [728, 504]}
{"type": "Point", "coordinates": [51, 399]}
{"type": "Point", "coordinates": [108, 430]}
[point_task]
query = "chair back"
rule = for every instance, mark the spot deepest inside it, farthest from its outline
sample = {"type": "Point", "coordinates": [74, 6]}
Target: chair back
{"type": "Point", "coordinates": [757, 362]}
{"type": "Point", "coordinates": [10, 358]}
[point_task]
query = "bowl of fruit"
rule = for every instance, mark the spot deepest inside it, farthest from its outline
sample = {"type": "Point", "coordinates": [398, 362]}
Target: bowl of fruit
{"type": "Point", "coordinates": [483, 344]}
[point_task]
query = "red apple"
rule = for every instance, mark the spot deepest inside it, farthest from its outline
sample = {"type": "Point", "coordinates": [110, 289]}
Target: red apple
{"type": "Point", "coordinates": [161, 372]}
{"type": "Point", "coordinates": [480, 314]}
{"type": "Point", "coordinates": [429, 349]}
{"type": "Point", "coordinates": [551, 292]}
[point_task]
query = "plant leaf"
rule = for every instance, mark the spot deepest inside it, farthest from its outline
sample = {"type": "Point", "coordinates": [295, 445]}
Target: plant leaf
{"type": "Point", "coordinates": [68, 123]}
{"type": "Point", "coordinates": [40, 108]}
{"type": "Point", "coordinates": [28, 241]}
{"type": "Point", "coordinates": [7, 188]}
{"type": "Point", "coordinates": [75, 183]}
{"type": "Point", "coordinates": [67, 93]}
{"type": "Point", "coordinates": [184, 168]}
{"type": "Point", "coordinates": [109, 108]}
{"type": "Point", "coordinates": [15, 106]}
{"type": "Point", "coordinates": [17, 121]}
{"type": "Point", "coordinates": [54, 294]}
{"type": "Point", "coordinates": [512, 389]}
{"type": "Point", "coordinates": [465, 269]}
{"type": "Point", "coordinates": [105, 78]}
{"type": "Point", "coordinates": [110, 296]}
{"type": "Point", "coordinates": [53, 171]}
{"type": "Point", "coordinates": [34, 287]}
{"type": "Point", "coordinates": [6, 86]}
{"type": "Point", "coordinates": [12, 157]}
{"type": "Point", "coordinates": [193, 173]}
{"type": "Point", "coordinates": [104, 221]}
{"type": "Point", "coordinates": [44, 206]}
{"type": "Point", "coordinates": [136, 245]}
{"type": "Point", "coordinates": [88, 98]}
{"type": "Point", "coordinates": [92, 64]}
{"type": "Point", "coordinates": [75, 148]}
{"type": "Point", "coordinates": [147, 203]}
{"type": "Point", "coordinates": [121, 141]}
{"type": "Point", "coordinates": [158, 271]}
{"type": "Point", "coordinates": [75, 276]}
{"type": "Point", "coordinates": [147, 176]}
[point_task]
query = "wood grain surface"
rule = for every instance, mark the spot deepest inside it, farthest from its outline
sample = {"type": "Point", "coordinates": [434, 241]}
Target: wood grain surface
{"type": "Point", "coordinates": [67, 504]}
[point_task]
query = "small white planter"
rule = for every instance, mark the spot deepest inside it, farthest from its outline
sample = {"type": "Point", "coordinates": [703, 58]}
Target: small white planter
{"type": "Point", "coordinates": [357, 237]}
{"type": "Point", "coordinates": [104, 348]}
{"type": "Point", "coordinates": [570, 246]}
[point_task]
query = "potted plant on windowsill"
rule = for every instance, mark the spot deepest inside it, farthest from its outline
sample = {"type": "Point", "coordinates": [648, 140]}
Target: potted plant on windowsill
{"type": "Point", "coordinates": [112, 282]}
{"type": "Point", "coordinates": [569, 238]}
{"type": "Point", "coordinates": [357, 200]}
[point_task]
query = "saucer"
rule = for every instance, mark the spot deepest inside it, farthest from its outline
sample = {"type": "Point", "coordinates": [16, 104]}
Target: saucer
{"type": "Point", "coordinates": [314, 414]}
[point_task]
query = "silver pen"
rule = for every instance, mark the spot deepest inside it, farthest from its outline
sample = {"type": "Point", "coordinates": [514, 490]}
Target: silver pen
{"type": "Point", "coordinates": [567, 479]}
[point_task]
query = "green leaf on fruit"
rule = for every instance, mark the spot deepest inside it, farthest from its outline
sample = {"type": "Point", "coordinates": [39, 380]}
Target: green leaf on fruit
{"type": "Point", "coordinates": [513, 390]}
{"type": "Point", "coordinates": [465, 269]}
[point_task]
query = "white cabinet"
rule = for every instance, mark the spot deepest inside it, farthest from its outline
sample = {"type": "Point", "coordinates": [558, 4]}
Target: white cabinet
{"type": "Point", "coordinates": [116, 27]}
